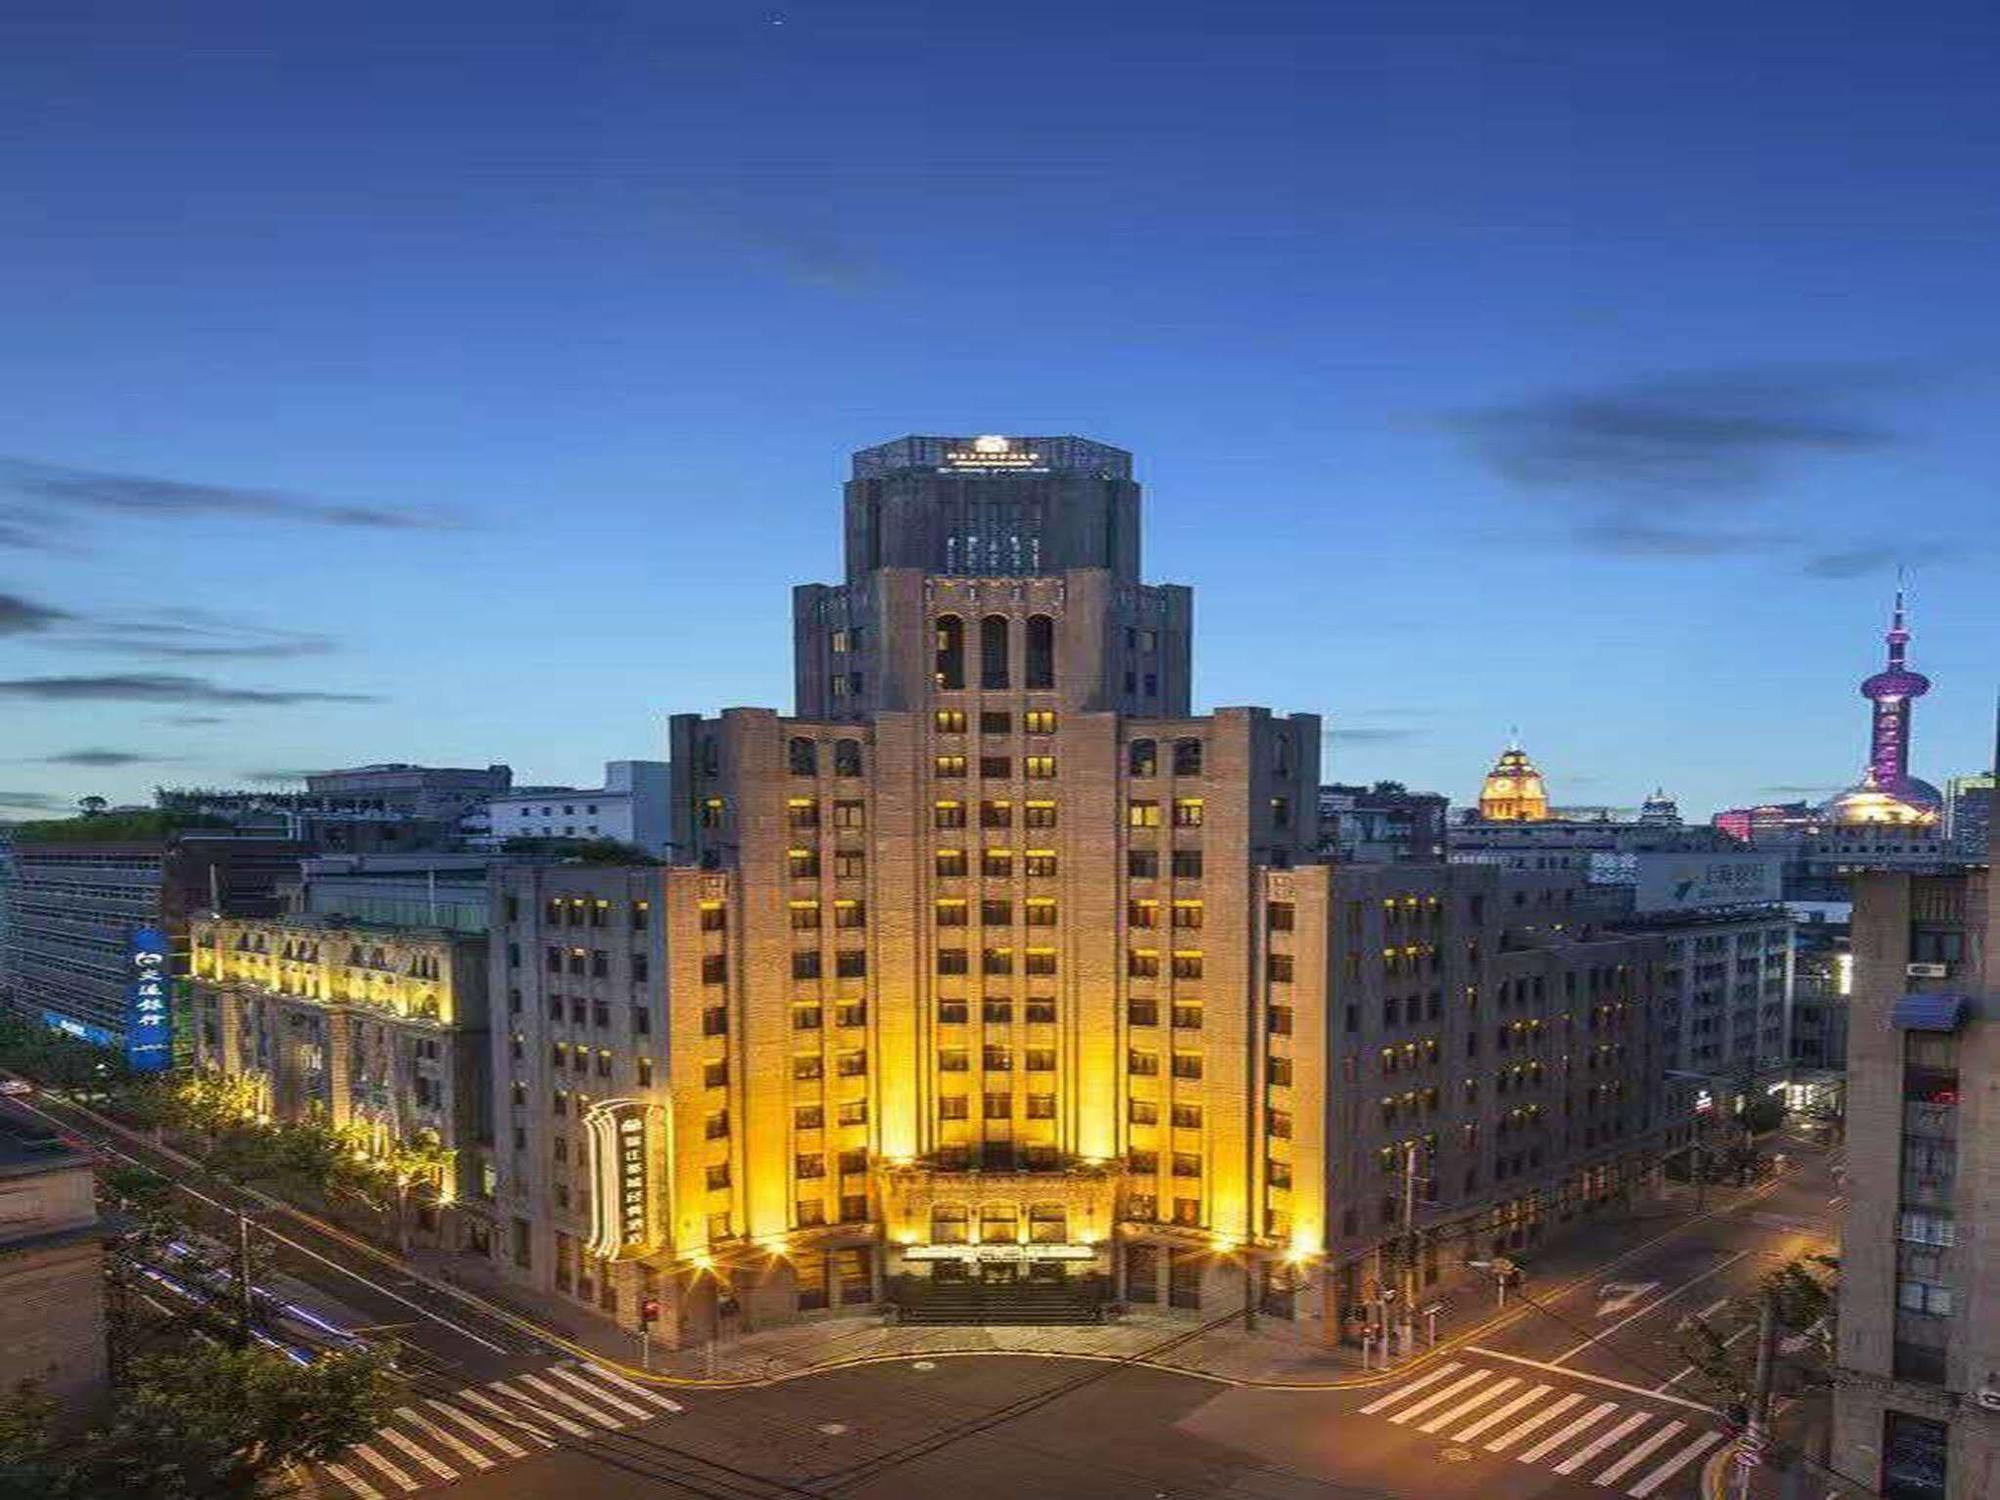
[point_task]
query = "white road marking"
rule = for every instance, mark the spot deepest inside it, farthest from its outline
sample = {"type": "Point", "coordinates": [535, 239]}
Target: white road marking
{"type": "Point", "coordinates": [1546, 1414]}
{"type": "Point", "coordinates": [1494, 1418]}
{"type": "Point", "coordinates": [514, 1419]}
{"type": "Point", "coordinates": [1556, 1439]}
{"type": "Point", "coordinates": [1667, 1470]}
{"type": "Point", "coordinates": [634, 1387]}
{"type": "Point", "coordinates": [478, 1428]}
{"type": "Point", "coordinates": [1653, 1306]}
{"type": "Point", "coordinates": [601, 1394]}
{"type": "Point", "coordinates": [557, 1393]}
{"type": "Point", "coordinates": [1604, 1380]}
{"type": "Point", "coordinates": [574, 1429]}
{"type": "Point", "coordinates": [1417, 1409]}
{"type": "Point", "coordinates": [1408, 1390]}
{"type": "Point", "coordinates": [436, 1465]}
{"type": "Point", "coordinates": [1640, 1454]}
{"type": "Point", "coordinates": [1590, 1450]}
{"type": "Point", "coordinates": [1714, 1307]}
{"type": "Point", "coordinates": [1475, 1400]}
{"type": "Point", "coordinates": [362, 1488]}
{"type": "Point", "coordinates": [375, 1460]}
{"type": "Point", "coordinates": [451, 1440]}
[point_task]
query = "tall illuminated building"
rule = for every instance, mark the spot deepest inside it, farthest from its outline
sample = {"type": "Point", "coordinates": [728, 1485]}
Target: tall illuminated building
{"type": "Point", "coordinates": [996, 972]}
{"type": "Point", "coordinates": [1887, 792]}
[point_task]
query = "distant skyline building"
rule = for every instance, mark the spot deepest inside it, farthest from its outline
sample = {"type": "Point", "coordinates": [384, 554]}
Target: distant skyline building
{"type": "Point", "coordinates": [633, 806]}
{"type": "Point", "coordinates": [1514, 791]}
{"type": "Point", "coordinates": [1887, 792]}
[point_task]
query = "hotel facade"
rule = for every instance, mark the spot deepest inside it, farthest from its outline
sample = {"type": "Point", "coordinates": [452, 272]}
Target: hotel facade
{"type": "Point", "coordinates": [997, 978]}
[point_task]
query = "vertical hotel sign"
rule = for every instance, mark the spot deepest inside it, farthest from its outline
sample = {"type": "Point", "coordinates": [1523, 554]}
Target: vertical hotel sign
{"type": "Point", "coordinates": [149, 1030]}
{"type": "Point", "coordinates": [621, 1206]}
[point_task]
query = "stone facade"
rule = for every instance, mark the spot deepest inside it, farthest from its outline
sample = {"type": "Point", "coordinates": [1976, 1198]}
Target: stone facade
{"type": "Point", "coordinates": [51, 1263]}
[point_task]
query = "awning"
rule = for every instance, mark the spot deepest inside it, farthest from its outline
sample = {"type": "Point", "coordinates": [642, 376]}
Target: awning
{"type": "Point", "coordinates": [1931, 1012]}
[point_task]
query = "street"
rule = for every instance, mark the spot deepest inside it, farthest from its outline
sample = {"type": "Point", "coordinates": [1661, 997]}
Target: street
{"type": "Point", "coordinates": [1582, 1392]}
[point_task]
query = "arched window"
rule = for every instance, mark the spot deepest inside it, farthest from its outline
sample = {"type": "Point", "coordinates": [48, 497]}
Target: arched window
{"type": "Point", "coordinates": [1187, 757]}
{"type": "Point", "coordinates": [993, 651]}
{"type": "Point", "coordinates": [847, 757]}
{"type": "Point", "coordinates": [1048, 1224]}
{"type": "Point", "coordinates": [998, 1223]}
{"type": "Point", "coordinates": [1142, 759]}
{"type": "Point", "coordinates": [1041, 652]}
{"type": "Point", "coordinates": [711, 756]}
{"type": "Point", "coordinates": [950, 1224]}
{"type": "Point", "coordinates": [950, 651]}
{"type": "Point", "coordinates": [803, 756]}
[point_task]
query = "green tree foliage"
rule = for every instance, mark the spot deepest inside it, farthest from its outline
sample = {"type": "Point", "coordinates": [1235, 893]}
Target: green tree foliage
{"type": "Point", "coordinates": [201, 1424]}
{"type": "Point", "coordinates": [57, 1060]}
{"type": "Point", "coordinates": [1761, 1115]}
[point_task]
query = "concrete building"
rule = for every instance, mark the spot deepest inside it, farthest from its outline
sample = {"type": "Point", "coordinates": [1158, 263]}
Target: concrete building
{"type": "Point", "coordinates": [86, 914]}
{"type": "Point", "coordinates": [1917, 1403]}
{"type": "Point", "coordinates": [452, 891]}
{"type": "Point", "coordinates": [1822, 985]}
{"type": "Point", "coordinates": [51, 1262]}
{"type": "Point", "coordinates": [632, 807]}
{"type": "Point", "coordinates": [998, 973]}
{"type": "Point", "coordinates": [1381, 824]}
{"type": "Point", "coordinates": [379, 1029]}
{"type": "Point", "coordinates": [439, 792]}
{"type": "Point", "coordinates": [1969, 814]}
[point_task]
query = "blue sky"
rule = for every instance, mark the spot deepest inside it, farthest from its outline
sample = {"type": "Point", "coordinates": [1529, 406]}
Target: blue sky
{"type": "Point", "coordinates": [1580, 368]}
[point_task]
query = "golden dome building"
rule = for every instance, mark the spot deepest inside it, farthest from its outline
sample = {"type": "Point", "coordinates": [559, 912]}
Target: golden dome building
{"type": "Point", "coordinates": [1514, 791]}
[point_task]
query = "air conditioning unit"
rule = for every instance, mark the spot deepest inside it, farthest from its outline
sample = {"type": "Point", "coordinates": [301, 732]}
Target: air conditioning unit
{"type": "Point", "coordinates": [1988, 1397]}
{"type": "Point", "coordinates": [1927, 971]}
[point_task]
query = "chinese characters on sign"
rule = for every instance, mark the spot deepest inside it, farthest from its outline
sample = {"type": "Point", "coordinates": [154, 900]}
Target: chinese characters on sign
{"type": "Point", "coordinates": [148, 1020]}
{"type": "Point", "coordinates": [619, 1212]}
{"type": "Point", "coordinates": [632, 1180]}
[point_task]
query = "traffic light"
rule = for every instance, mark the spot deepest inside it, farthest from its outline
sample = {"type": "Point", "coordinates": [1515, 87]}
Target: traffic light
{"type": "Point", "coordinates": [649, 1310]}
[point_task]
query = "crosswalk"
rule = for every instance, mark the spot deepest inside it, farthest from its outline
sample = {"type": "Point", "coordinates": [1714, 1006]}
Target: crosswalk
{"type": "Point", "coordinates": [1571, 1432]}
{"type": "Point", "coordinates": [434, 1441]}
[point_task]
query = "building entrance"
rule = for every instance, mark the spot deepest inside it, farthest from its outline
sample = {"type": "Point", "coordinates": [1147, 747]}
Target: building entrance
{"type": "Point", "coordinates": [999, 1272]}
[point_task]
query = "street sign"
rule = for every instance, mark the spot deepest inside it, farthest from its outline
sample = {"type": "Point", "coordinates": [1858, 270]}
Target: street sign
{"type": "Point", "coordinates": [1435, 1309]}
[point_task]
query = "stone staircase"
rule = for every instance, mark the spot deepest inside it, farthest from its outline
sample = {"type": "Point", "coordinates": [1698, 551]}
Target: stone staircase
{"type": "Point", "coordinates": [1024, 1303]}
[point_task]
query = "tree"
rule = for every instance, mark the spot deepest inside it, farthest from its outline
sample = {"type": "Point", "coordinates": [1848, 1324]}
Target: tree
{"type": "Point", "coordinates": [395, 1174]}
{"type": "Point", "coordinates": [213, 1422]}
{"type": "Point", "coordinates": [1761, 1114]}
{"type": "Point", "coordinates": [92, 806]}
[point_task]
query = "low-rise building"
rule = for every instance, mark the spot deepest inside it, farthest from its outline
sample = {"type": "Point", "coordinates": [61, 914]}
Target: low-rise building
{"type": "Point", "coordinates": [634, 806]}
{"type": "Point", "coordinates": [1381, 824]}
{"type": "Point", "coordinates": [379, 1029]}
{"type": "Point", "coordinates": [51, 1262]}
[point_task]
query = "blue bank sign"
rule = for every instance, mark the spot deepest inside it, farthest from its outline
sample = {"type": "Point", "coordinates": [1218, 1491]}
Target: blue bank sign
{"type": "Point", "coordinates": [149, 1029]}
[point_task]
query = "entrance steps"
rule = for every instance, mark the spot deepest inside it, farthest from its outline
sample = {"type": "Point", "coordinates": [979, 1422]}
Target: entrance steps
{"type": "Point", "coordinates": [1025, 1303]}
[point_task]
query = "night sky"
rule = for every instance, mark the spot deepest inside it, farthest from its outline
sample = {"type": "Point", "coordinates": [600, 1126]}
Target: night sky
{"type": "Point", "coordinates": [462, 383]}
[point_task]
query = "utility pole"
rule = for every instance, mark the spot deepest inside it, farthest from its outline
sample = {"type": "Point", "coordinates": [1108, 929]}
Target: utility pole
{"type": "Point", "coordinates": [1410, 1246]}
{"type": "Point", "coordinates": [1756, 1438]}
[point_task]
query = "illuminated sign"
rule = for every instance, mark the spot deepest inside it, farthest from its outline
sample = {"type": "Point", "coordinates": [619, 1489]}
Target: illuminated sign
{"type": "Point", "coordinates": [999, 1252]}
{"type": "Point", "coordinates": [149, 1028]}
{"type": "Point", "coordinates": [1683, 882]}
{"type": "Point", "coordinates": [992, 452]}
{"type": "Point", "coordinates": [620, 1209]}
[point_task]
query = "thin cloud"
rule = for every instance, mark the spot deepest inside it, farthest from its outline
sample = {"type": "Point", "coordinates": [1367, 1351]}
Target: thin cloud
{"type": "Point", "coordinates": [1369, 736]}
{"type": "Point", "coordinates": [194, 719]}
{"type": "Point", "coordinates": [19, 616]}
{"type": "Point", "coordinates": [277, 778]}
{"type": "Point", "coordinates": [198, 635]}
{"type": "Point", "coordinates": [159, 687]}
{"type": "Point", "coordinates": [50, 497]}
{"type": "Point", "coordinates": [1790, 790]}
{"type": "Point", "coordinates": [32, 802]}
{"type": "Point", "coordinates": [101, 759]}
{"type": "Point", "coordinates": [1859, 562]}
{"type": "Point", "coordinates": [1668, 467]}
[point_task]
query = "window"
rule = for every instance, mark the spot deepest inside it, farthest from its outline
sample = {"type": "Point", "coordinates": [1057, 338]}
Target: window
{"type": "Point", "coordinates": [997, 1059]}
{"type": "Point", "coordinates": [1041, 1012]}
{"type": "Point", "coordinates": [1278, 1124]}
{"type": "Point", "coordinates": [1279, 915]}
{"type": "Point", "coordinates": [1142, 812]}
{"type": "Point", "coordinates": [996, 911]}
{"type": "Point", "coordinates": [806, 1017]}
{"type": "Point", "coordinates": [1187, 1164]}
{"type": "Point", "coordinates": [847, 757]}
{"type": "Point", "coordinates": [996, 721]}
{"type": "Point", "coordinates": [718, 1175]}
{"type": "Point", "coordinates": [1142, 963]}
{"type": "Point", "coordinates": [1142, 1064]}
{"type": "Point", "coordinates": [803, 864]}
{"type": "Point", "coordinates": [808, 1066]}
{"type": "Point", "coordinates": [1040, 863]}
{"type": "Point", "coordinates": [999, 1107]}
{"type": "Point", "coordinates": [1039, 721]}
{"type": "Point", "coordinates": [1187, 1015]}
{"type": "Point", "coordinates": [993, 651]}
{"type": "Point", "coordinates": [805, 965]}
{"type": "Point", "coordinates": [1038, 767]}
{"type": "Point", "coordinates": [1187, 964]}
{"type": "Point", "coordinates": [1039, 815]}
{"type": "Point", "coordinates": [850, 914]}
{"type": "Point", "coordinates": [951, 913]}
{"type": "Point", "coordinates": [950, 862]}
{"type": "Point", "coordinates": [809, 1166]}
{"type": "Point", "coordinates": [1278, 967]}
{"type": "Point", "coordinates": [1142, 1013]}
{"type": "Point", "coordinates": [997, 961]}
{"type": "Point", "coordinates": [805, 916]}
{"type": "Point", "coordinates": [850, 814]}
{"type": "Point", "coordinates": [953, 1060]}
{"type": "Point", "coordinates": [1187, 757]}
{"type": "Point", "coordinates": [948, 815]}
{"type": "Point", "coordinates": [1142, 864]}
{"type": "Point", "coordinates": [951, 961]}
{"type": "Point", "coordinates": [1925, 1297]}
{"type": "Point", "coordinates": [1187, 1065]}
{"type": "Point", "coordinates": [850, 963]}
{"type": "Point", "coordinates": [1041, 652]}
{"type": "Point", "coordinates": [996, 814]}
{"type": "Point", "coordinates": [1187, 812]}
{"type": "Point", "coordinates": [1187, 864]}
{"type": "Point", "coordinates": [715, 968]}
{"type": "Point", "coordinates": [1041, 911]}
{"type": "Point", "coordinates": [1041, 1060]}
{"type": "Point", "coordinates": [952, 1107]}
{"type": "Point", "coordinates": [996, 767]}
{"type": "Point", "coordinates": [802, 757]}
{"type": "Point", "coordinates": [996, 863]}
{"type": "Point", "coordinates": [811, 1213]}
{"type": "Point", "coordinates": [997, 1224]}
{"type": "Point", "coordinates": [1923, 1227]}
{"type": "Point", "coordinates": [949, 663]}
{"type": "Point", "coordinates": [801, 812]}
{"type": "Point", "coordinates": [949, 721]}
{"type": "Point", "coordinates": [1039, 962]}
{"type": "Point", "coordinates": [1142, 758]}
{"type": "Point", "coordinates": [854, 1112]}
{"type": "Point", "coordinates": [1187, 914]}
{"type": "Point", "coordinates": [715, 1020]}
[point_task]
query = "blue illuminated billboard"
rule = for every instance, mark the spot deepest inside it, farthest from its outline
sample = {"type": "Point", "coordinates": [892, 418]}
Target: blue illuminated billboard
{"type": "Point", "coordinates": [149, 1027]}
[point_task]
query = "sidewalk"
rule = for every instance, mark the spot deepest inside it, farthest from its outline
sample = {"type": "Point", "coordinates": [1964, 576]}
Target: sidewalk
{"type": "Point", "coordinates": [1229, 1353]}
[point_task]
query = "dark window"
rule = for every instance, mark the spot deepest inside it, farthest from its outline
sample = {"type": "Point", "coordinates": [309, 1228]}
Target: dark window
{"type": "Point", "coordinates": [993, 651]}
{"type": "Point", "coordinates": [1041, 652]}
{"type": "Point", "coordinates": [1187, 757]}
{"type": "Point", "coordinates": [950, 664]}
{"type": "Point", "coordinates": [802, 756]}
{"type": "Point", "coordinates": [847, 757]}
{"type": "Point", "coordinates": [1142, 758]}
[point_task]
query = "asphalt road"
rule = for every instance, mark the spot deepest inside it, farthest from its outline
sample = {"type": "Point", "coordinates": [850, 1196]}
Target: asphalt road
{"type": "Point", "coordinates": [1582, 1394]}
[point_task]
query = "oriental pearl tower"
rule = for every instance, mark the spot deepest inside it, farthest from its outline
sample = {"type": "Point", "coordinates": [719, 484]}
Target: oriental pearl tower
{"type": "Point", "coordinates": [1888, 793]}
